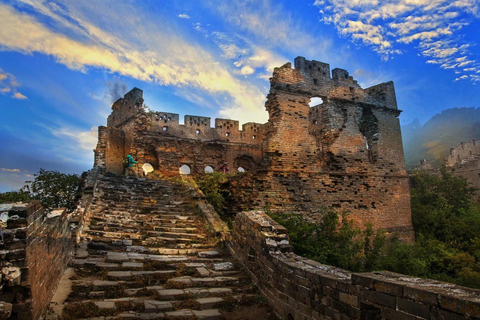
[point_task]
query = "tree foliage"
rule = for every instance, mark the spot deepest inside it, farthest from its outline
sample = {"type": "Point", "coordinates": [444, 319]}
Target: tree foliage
{"type": "Point", "coordinates": [334, 240]}
{"type": "Point", "coordinates": [53, 188]}
{"type": "Point", "coordinates": [213, 186]}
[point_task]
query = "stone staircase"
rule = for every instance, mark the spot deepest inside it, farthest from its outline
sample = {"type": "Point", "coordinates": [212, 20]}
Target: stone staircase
{"type": "Point", "coordinates": [146, 254]}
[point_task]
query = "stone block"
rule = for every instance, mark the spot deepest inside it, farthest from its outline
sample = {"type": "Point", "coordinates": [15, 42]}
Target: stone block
{"type": "Point", "coordinates": [415, 308]}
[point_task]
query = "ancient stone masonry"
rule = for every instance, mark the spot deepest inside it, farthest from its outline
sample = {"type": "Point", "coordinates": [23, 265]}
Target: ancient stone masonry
{"type": "Point", "coordinates": [299, 288]}
{"type": "Point", "coordinates": [35, 248]}
{"type": "Point", "coordinates": [464, 161]}
{"type": "Point", "coordinates": [345, 153]}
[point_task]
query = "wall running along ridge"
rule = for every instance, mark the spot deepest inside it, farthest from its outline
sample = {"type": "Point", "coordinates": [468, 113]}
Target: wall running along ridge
{"type": "Point", "coordinates": [464, 161]}
{"type": "Point", "coordinates": [301, 289]}
{"type": "Point", "coordinates": [345, 153]}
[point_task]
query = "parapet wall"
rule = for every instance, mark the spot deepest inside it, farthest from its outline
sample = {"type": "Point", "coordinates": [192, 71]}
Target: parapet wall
{"type": "Point", "coordinates": [463, 153]}
{"type": "Point", "coordinates": [35, 252]}
{"type": "Point", "coordinates": [464, 161]}
{"type": "Point", "coordinates": [301, 289]}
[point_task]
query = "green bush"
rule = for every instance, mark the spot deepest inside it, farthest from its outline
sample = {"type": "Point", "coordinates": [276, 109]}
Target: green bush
{"type": "Point", "coordinates": [334, 240]}
{"type": "Point", "coordinates": [213, 185]}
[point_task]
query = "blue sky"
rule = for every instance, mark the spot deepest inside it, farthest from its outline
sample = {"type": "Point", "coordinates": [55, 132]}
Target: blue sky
{"type": "Point", "coordinates": [62, 63]}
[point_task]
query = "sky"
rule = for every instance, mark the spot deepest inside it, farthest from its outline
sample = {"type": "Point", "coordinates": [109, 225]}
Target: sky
{"type": "Point", "coordinates": [63, 63]}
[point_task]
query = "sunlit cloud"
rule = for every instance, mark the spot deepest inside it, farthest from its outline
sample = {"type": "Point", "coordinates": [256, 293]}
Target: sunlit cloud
{"type": "Point", "coordinates": [153, 55]}
{"type": "Point", "coordinates": [183, 16]}
{"type": "Point", "coordinates": [435, 26]}
{"type": "Point", "coordinates": [9, 84]}
{"type": "Point", "coordinates": [18, 95]}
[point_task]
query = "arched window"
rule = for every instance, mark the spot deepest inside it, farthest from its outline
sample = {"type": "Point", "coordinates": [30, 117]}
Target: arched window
{"type": "Point", "coordinates": [197, 131]}
{"type": "Point", "coordinates": [315, 101]}
{"type": "Point", "coordinates": [208, 169]}
{"type": "Point", "coordinates": [164, 128]}
{"type": "Point", "coordinates": [240, 169]}
{"type": "Point", "coordinates": [184, 169]}
{"type": "Point", "coordinates": [147, 168]}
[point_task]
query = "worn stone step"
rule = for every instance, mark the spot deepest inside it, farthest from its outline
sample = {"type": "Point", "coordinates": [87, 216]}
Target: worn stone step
{"type": "Point", "coordinates": [193, 292]}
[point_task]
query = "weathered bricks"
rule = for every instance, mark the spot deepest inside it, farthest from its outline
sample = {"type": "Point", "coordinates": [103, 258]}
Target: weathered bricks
{"type": "Point", "coordinates": [345, 153]}
{"type": "Point", "coordinates": [308, 290]}
{"type": "Point", "coordinates": [40, 248]}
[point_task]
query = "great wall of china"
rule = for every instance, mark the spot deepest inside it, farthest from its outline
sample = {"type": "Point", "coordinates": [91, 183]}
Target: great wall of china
{"type": "Point", "coordinates": [155, 249]}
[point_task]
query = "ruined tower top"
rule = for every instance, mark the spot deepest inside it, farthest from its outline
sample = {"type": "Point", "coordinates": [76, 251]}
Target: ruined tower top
{"type": "Point", "coordinates": [313, 78]}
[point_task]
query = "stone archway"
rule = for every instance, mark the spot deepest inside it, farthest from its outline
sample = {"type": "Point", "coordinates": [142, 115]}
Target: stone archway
{"type": "Point", "coordinates": [184, 169]}
{"type": "Point", "coordinates": [245, 162]}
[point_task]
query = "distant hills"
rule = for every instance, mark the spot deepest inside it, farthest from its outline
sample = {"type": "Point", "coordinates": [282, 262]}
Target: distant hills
{"type": "Point", "coordinates": [433, 140]}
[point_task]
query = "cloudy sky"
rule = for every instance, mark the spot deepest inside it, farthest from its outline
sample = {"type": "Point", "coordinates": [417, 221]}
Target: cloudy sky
{"type": "Point", "coordinates": [62, 63]}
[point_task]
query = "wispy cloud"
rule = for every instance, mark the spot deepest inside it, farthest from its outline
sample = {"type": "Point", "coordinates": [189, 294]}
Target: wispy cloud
{"type": "Point", "coordinates": [435, 26]}
{"type": "Point", "coordinates": [153, 54]}
{"type": "Point", "coordinates": [183, 16]}
{"type": "Point", "coordinates": [83, 140]}
{"type": "Point", "coordinates": [272, 26]}
{"type": "Point", "coordinates": [10, 170]}
{"type": "Point", "coordinates": [9, 85]}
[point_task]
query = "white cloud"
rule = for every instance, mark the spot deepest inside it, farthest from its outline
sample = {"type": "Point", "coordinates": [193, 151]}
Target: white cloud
{"type": "Point", "coordinates": [183, 16]}
{"type": "Point", "coordinates": [434, 25]}
{"type": "Point", "coordinates": [461, 78]}
{"type": "Point", "coordinates": [246, 70]}
{"type": "Point", "coordinates": [85, 140]}
{"type": "Point", "coordinates": [232, 51]}
{"type": "Point", "coordinates": [150, 55]}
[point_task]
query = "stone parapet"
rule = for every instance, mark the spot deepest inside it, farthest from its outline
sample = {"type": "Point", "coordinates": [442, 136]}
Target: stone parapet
{"type": "Point", "coordinates": [299, 288]}
{"type": "Point", "coordinates": [35, 250]}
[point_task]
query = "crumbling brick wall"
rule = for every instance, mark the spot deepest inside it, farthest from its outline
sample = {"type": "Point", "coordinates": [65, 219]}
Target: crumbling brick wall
{"type": "Point", "coordinates": [464, 161]}
{"type": "Point", "coordinates": [299, 288]}
{"type": "Point", "coordinates": [35, 252]}
{"type": "Point", "coordinates": [345, 153]}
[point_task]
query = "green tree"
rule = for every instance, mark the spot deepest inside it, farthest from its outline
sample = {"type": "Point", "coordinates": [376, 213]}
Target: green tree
{"type": "Point", "coordinates": [14, 196]}
{"type": "Point", "coordinates": [54, 189]}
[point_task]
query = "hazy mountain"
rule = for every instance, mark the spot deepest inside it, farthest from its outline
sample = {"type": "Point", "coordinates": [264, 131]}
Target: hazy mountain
{"type": "Point", "coordinates": [433, 140]}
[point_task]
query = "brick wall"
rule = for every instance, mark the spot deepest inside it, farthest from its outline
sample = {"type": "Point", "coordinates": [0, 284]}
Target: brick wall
{"type": "Point", "coordinates": [35, 252]}
{"type": "Point", "coordinates": [301, 289]}
{"type": "Point", "coordinates": [345, 153]}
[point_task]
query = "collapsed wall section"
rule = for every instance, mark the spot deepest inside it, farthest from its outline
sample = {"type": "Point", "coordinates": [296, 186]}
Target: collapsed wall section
{"type": "Point", "coordinates": [35, 251]}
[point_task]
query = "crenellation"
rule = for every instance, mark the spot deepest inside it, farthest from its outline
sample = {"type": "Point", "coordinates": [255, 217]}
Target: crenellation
{"type": "Point", "coordinates": [345, 153]}
{"type": "Point", "coordinates": [126, 108]}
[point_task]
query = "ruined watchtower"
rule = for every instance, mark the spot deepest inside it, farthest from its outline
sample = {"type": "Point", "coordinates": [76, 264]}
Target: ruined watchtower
{"type": "Point", "coordinates": [345, 153]}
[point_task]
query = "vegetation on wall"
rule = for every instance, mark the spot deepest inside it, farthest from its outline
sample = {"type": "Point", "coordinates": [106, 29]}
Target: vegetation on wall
{"type": "Point", "coordinates": [213, 186]}
{"type": "Point", "coordinates": [446, 224]}
{"type": "Point", "coordinates": [53, 188]}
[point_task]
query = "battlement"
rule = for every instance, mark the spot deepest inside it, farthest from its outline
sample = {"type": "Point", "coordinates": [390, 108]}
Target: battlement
{"type": "Point", "coordinates": [199, 128]}
{"type": "Point", "coordinates": [463, 153]}
{"type": "Point", "coordinates": [312, 78]}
